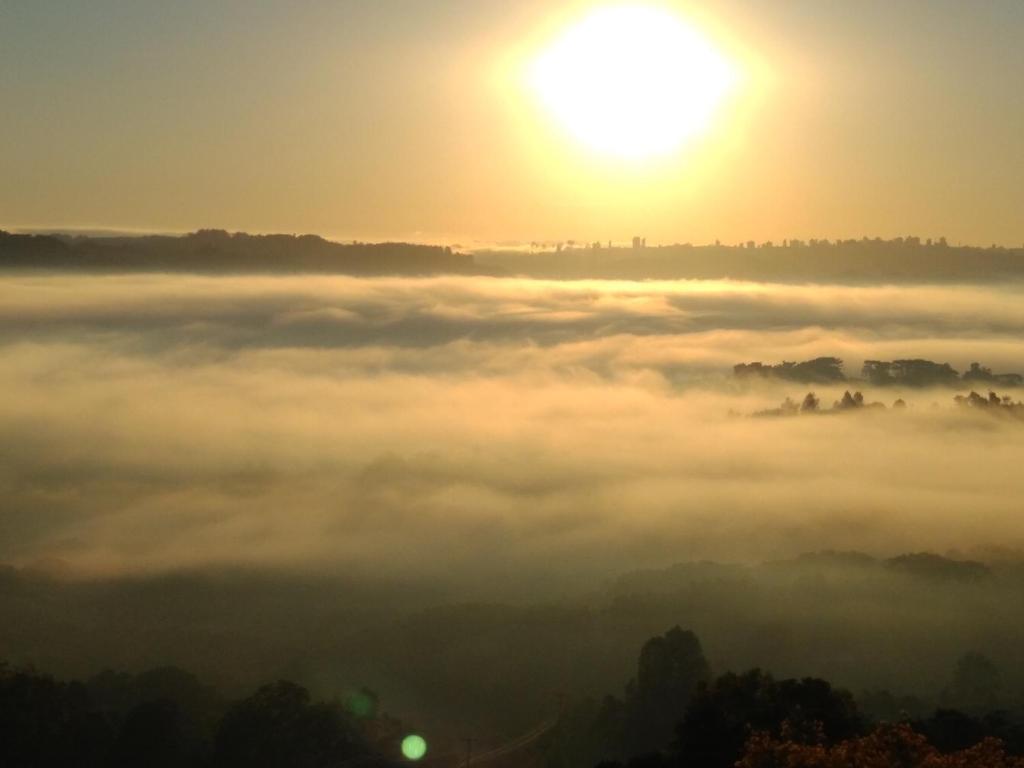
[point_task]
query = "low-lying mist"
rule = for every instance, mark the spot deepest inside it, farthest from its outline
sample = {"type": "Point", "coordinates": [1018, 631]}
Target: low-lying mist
{"type": "Point", "coordinates": [465, 429]}
{"type": "Point", "coordinates": [430, 486]}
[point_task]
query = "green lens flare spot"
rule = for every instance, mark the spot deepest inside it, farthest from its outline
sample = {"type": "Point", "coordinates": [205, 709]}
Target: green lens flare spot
{"type": "Point", "coordinates": [361, 703]}
{"type": "Point", "coordinates": [414, 747]}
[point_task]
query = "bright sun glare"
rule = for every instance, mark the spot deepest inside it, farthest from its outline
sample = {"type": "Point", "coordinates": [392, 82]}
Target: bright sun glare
{"type": "Point", "coordinates": [632, 81]}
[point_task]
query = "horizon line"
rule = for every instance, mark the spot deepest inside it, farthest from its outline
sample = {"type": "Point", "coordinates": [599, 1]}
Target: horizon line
{"type": "Point", "coordinates": [476, 244]}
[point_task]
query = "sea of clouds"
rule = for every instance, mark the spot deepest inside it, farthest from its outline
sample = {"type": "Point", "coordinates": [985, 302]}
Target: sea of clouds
{"type": "Point", "coordinates": [455, 426]}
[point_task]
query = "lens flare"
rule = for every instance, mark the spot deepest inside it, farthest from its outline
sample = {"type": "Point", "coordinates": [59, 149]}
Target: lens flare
{"type": "Point", "coordinates": [414, 747]}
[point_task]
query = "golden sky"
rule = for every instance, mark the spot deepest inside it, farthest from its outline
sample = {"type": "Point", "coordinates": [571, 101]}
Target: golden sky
{"type": "Point", "coordinates": [416, 120]}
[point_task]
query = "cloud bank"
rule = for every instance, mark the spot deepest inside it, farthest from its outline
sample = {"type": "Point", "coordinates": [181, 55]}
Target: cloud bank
{"type": "Point", "coordinates": [452, 426]}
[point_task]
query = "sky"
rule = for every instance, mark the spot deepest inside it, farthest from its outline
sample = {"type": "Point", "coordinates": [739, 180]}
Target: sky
{"type": "Point", "coordinates": [406, 119]}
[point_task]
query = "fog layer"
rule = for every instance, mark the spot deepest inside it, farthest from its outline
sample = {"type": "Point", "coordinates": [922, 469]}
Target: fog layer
{"type": "Point", "coordinates": [454, 427]}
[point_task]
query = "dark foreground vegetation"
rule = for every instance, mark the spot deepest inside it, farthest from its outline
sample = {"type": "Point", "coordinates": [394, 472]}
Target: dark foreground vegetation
{"type": "Point", "coordinates": [216, 251]}
{"type": "Point", "coordinates": [166, 718]}
{"type": "Point", "coordinates": [928, 644]}
{"type": "Point", "coordinates": [675, 713]}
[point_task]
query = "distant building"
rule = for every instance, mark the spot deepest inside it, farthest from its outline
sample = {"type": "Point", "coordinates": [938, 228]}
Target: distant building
{"type": "Point", "coordinates": [639, 242]}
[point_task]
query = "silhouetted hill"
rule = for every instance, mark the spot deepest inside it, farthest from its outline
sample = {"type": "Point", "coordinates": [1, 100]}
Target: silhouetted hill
{"type": "Point", "coordinates": [858, 261]}
{"type": "Point", "coordinates": [216, 251]}
{"type": "Point", "coordinates": [926, 565]}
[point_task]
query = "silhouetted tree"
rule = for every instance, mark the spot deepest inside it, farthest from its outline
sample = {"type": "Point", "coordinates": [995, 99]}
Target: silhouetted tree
{"type": "Point", "coordinates": [976, 684]}
{"type": "Point", "coordinates": [810, 403]}
{"type": "Point", "coordinates": [279, 726]}
{"type": "Point", "coordinates": [669, 670]}
{"type": "Point", "coordinates": [49, 724]}
{"type": "Point", "coordinates": [950, 730]}
{"type": "Point", "coordinates": [820, 370]}
{"type": "Point", "coordinates": [721, 716]}
{"type": "Point", "coordinates": [158, 734]}
{"type": "Point", "coordinates": [877, 372]}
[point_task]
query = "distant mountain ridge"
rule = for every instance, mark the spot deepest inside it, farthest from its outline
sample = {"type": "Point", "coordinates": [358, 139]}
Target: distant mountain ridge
{"type": "Point", "coordinates": [217, 251]}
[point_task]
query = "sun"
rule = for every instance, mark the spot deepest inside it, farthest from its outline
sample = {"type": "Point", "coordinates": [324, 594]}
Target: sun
{"type": "Point", "coordinates": [632, 81]}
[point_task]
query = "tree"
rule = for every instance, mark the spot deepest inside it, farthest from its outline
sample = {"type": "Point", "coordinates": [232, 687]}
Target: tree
{"type": "Point", "coordinates": [46, 723]}
{"type": "Point", "coordinates": [888, 746]}
{"type": "Point", "coordinates": [670, 669]}
{"type": "Point", "coordinates": [279, 725]}
{"type": "Point", "coordinates": [721, 716]}
{"type": "Point", "coordinates": [157, 734]}
{"type": "Point", "coordinates": [976, 684]}
{"type": "Point", "coordinates": [668, 672]}
{"type": "Point", "coordinates": [878, 372]}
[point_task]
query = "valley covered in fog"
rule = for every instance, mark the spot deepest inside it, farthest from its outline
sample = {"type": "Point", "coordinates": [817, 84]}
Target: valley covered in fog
{"type": "Point", "coordinates": [456, 426]}
{"type": "Point", "coordinates": [511, 384]}
{"type": "Point", "coordinates": [318, 474]}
